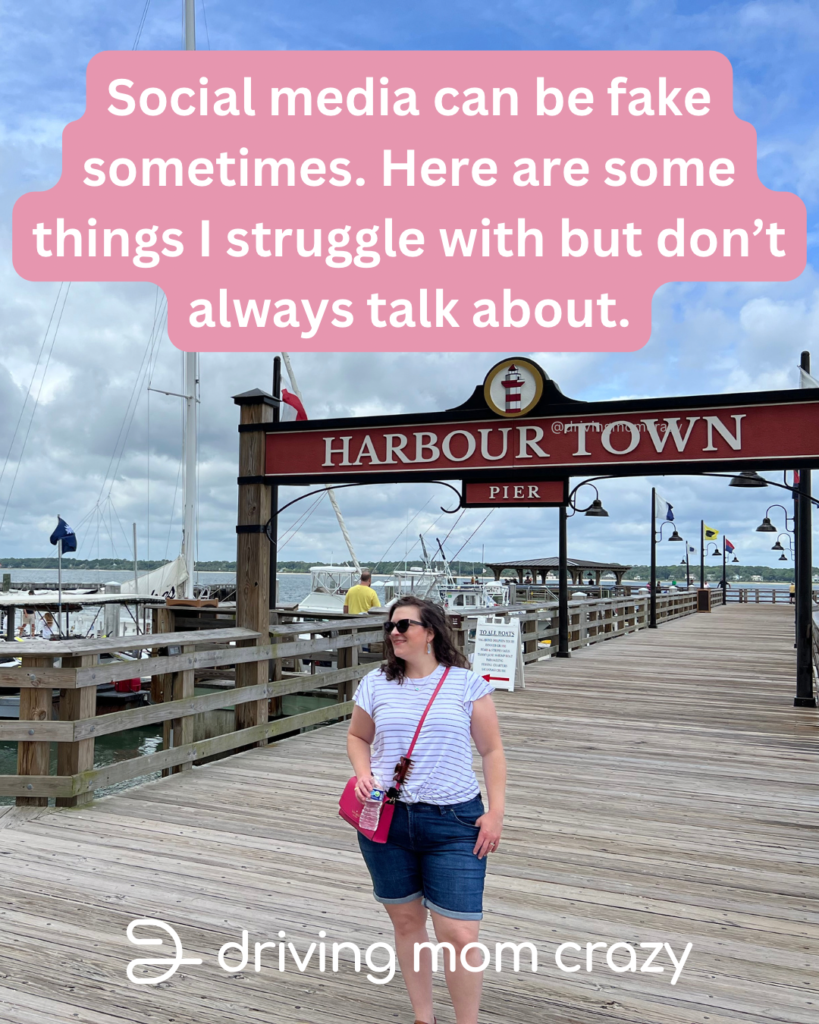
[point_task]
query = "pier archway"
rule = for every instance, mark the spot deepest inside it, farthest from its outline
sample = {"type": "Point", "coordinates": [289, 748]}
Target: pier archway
{"type": "Point", "coordinates": [518, 440]}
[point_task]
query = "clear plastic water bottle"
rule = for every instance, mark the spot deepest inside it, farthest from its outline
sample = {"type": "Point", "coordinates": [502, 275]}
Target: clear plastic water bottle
{"type": "Point", "coordinates": [371, 812]}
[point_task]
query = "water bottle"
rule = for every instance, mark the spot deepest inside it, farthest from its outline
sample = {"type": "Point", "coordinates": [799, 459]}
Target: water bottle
{"type": "Point", "coordinates": [371, 812]}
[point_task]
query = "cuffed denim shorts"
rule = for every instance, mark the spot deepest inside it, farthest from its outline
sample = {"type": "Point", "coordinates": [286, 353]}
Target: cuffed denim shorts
{"type": "Point", "coordinates": [429, 856]}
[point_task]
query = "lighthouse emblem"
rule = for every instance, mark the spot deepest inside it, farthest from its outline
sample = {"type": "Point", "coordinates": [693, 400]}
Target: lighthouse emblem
{"type": "Point", "coordinates": [513, 384]}
{"type": "Point", "coordinates": [513, 387]}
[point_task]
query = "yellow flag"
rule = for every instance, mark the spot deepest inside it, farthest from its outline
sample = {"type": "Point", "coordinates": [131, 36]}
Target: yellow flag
{"type": "Point", "coordinates": [709, 533]}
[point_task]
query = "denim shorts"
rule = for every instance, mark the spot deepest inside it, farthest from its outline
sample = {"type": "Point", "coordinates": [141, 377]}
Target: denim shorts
{"type": "Point", "coordinates": [429, 856]}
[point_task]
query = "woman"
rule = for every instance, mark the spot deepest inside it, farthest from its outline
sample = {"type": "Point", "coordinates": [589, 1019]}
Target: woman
{"type": "Point", "coordinates": [434, 860]}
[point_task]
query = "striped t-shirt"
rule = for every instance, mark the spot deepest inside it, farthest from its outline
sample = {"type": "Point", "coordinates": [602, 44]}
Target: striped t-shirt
{"type": "Point", "coordinates": [442, 771]}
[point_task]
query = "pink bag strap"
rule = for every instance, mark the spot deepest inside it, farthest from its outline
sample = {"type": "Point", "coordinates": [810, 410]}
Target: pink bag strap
{"type": "Point", "coordinates": [426, 711]}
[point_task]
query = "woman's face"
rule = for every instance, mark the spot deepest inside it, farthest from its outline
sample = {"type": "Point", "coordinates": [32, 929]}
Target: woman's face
{"type": "Point", "coordinates": [413, 643]}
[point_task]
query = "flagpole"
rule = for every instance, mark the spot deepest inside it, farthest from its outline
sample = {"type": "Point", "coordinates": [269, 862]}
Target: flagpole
{"type": "Point", "coordinates": [652, 597]}
{"type": "Point", "coordinates": [60, 585]}
{"type": "Point", "coordinates": [724, 542]}
{"type": "Point", "coordinates": [687, 568]}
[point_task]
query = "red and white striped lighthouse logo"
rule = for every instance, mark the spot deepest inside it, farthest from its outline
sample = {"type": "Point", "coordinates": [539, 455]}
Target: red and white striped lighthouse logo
{"type": "Point", "coordinates": [513, 387]}
{"type": "Point", "coordinates": [513, 384]}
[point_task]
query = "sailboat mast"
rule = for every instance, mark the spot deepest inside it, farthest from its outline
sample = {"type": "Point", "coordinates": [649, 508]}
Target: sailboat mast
{"type": "Point", "coordinates": [189, 391]}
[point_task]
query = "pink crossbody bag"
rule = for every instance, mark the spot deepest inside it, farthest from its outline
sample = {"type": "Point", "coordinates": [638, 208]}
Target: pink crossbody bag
{"type": "Point", "coordinates": [349, 807]}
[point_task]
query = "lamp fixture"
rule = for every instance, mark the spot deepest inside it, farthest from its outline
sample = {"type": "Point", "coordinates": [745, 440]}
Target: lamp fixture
{"type": "Point", "coordinates": [748, 478]}
{"type": "Point", "coordinates": [596, 509]}
{"type": "Point", "coordinates": [766, 526]}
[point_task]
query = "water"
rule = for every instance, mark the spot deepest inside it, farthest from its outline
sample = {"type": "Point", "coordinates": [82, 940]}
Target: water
{"type": "Point", "coordinates": [293, 586]}
{"type": "Point", "coordinates": [107, 750]}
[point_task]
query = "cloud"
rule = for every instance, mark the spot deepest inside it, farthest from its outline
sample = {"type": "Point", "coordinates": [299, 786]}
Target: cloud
{"type": "Point", "coordinates": [105, 452]}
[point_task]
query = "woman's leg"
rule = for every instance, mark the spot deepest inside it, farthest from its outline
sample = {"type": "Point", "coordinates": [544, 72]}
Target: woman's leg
{"type": "Point", "coordinates": [464, 986]}
{"type": "Point", "coordinates": [410, 923]}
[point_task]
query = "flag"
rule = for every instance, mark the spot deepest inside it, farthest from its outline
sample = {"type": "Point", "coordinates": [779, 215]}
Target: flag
{"type": "Point", "coordinates": [691, 548]}
{"type": "Point", "coordinates": [65, 534]}
{"type": "Point", "coordinates": [729, 547]}
{"type": "Point", "coordinates": [806, 380]}
{"type": "Point", "coordinates": [662, 508]}
{"type": "Point", "coordinates": [291, 407]}
{"type": "Point", "coordinates": [709, 533]}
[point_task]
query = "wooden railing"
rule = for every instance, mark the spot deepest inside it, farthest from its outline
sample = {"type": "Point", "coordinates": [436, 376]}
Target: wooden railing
{"type": "Point", "coordinates": [759, 595]}
{"type": "Point", "coordinates": [590, 622]}
{"type": "Point", "coordinates": [173, 661]}
{"type": "Point", "coordinates": [337, 653]}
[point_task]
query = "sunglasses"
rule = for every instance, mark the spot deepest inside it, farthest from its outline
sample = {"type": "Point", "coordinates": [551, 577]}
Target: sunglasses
{"type": "Point", "coordinates": [402, 625]}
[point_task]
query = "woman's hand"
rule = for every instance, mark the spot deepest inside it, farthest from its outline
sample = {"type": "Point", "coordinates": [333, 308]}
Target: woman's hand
{"type": "Point", "coordinates": [365, 785]}
{"type": "Point", "coordinates": [491, 825]}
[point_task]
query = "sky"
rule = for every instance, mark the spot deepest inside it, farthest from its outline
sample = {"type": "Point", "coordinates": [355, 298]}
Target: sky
{"type": "Point", "coordinates": [81, 435]}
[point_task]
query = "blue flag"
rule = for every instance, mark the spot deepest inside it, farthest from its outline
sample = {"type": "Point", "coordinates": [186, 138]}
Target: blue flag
{"type": "Point", "coordinates": [663, 509]}
{"type": "Point", "coordinates": [65, 534]}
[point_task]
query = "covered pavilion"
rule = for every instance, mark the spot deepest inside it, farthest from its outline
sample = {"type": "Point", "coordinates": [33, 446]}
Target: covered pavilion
{"type": "Point", "coordinates": [578, 569]}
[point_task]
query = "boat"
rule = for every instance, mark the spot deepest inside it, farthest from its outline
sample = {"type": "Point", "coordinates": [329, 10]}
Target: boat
{"type": "Point", "coordinates": [328, 589]}
{"type": "Point", "coordinates": [441, 586]}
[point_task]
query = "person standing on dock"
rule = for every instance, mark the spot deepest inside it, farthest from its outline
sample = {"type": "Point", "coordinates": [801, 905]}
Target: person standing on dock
{"type": "Point", "coordinates": [29, 617]}
{"type": "Point", "coordinates": [360, 598]}
{"type": "Point", "coordinates": [434, 859]}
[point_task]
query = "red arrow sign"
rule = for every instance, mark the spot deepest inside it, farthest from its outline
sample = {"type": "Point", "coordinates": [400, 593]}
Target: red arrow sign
{"type": "Point", "coordinates": [497, 679]}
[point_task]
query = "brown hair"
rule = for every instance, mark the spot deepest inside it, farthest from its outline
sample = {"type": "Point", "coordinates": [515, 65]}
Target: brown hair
{"type": "Point", "coordinates": [443, 644]}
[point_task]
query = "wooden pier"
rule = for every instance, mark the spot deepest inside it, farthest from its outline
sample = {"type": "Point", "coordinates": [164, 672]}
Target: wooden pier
{"type": "Point", "coordinates": [662, 789]}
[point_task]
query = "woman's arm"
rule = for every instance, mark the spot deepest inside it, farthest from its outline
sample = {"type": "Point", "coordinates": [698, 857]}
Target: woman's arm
{"type": "Point", "coordinates": [486, 734]}
{"type": "Point", "coordinates": [359, 738]}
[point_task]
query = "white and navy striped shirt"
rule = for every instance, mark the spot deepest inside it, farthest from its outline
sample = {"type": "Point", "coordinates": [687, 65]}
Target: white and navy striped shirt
{"type": "Point", "coordinates": [442, 771]}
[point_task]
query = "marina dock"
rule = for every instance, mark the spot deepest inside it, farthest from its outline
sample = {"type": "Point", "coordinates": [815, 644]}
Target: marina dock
{"type": "Point", "coordinates": [662, 789]}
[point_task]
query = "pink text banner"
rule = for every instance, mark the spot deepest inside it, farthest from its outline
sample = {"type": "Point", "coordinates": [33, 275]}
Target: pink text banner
{"type": "Point", "coordinates": [405, 200]}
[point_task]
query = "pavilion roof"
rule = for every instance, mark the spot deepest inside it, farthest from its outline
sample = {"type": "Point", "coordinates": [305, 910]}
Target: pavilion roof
{"type": "Point", "coordinates": [553, 563]}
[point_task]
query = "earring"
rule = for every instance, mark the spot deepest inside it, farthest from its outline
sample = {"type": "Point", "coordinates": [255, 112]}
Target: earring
{"type": "Point", "coordinates": [429, 647]}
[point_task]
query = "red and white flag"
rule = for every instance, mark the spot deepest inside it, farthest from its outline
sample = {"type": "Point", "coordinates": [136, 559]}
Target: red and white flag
{"type": "Point", "coordinates": [291, 407]}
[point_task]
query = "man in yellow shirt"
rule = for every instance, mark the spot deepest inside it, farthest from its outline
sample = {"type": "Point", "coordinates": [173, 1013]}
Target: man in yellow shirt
{"type": "Point", "coordinates": [361, 597]}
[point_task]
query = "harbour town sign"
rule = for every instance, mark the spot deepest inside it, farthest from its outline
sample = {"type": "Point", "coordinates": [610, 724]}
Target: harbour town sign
{"type": "Point", "coordinates": [519, 429]}
{"type": "Point", "coordinates": [517, 441]}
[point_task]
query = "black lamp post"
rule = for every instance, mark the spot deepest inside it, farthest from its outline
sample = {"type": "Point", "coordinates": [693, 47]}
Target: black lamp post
{"type": "Point", "coordinates": [766, 526]}
{"type": "Point", "coordinates": [687, 567]}
{"type": "Point", "coordinates": [803, 505]}
{"type": "Point", "coordinates": [655, 536]}
{"type": "Point", "coordinates": [596, 510]}
{"type": "Point", "coordinates": [702, 554]}
{"type": "Point", "coordinates": [704, 551]}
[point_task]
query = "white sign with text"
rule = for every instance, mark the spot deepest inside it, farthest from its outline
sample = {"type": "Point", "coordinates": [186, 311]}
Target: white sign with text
{"type": "Point", "coordinates": [498, 657]}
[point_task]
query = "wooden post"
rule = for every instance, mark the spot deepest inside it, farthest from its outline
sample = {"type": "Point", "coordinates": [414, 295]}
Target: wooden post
{"type": "Point", "coordinates": [74, 705]}
{"type": "Point", "coordinates": [275, 673]}
{"type": "Point", "coordinates": [530, 627]}
{"type": "Point", "coordinates": [583, 624]}
{"type": "Point", "coordinates": [253, 548]}
{"type": "Point", "coordinates": [459, 633]}
{"type": "Point", "coordinates": [181, 687]}
{"type": "Point", "coordinates": [35, 706]}
{"type": "Point", "coordinates": [163, 620]}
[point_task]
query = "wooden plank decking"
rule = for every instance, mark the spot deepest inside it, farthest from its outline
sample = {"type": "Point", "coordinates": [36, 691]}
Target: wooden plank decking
{"type": "Point", "coordinates": [663, 788]}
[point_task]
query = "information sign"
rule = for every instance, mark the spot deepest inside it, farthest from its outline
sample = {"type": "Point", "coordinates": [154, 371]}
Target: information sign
{"type": "Point", "coordinates": [498, 657]}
